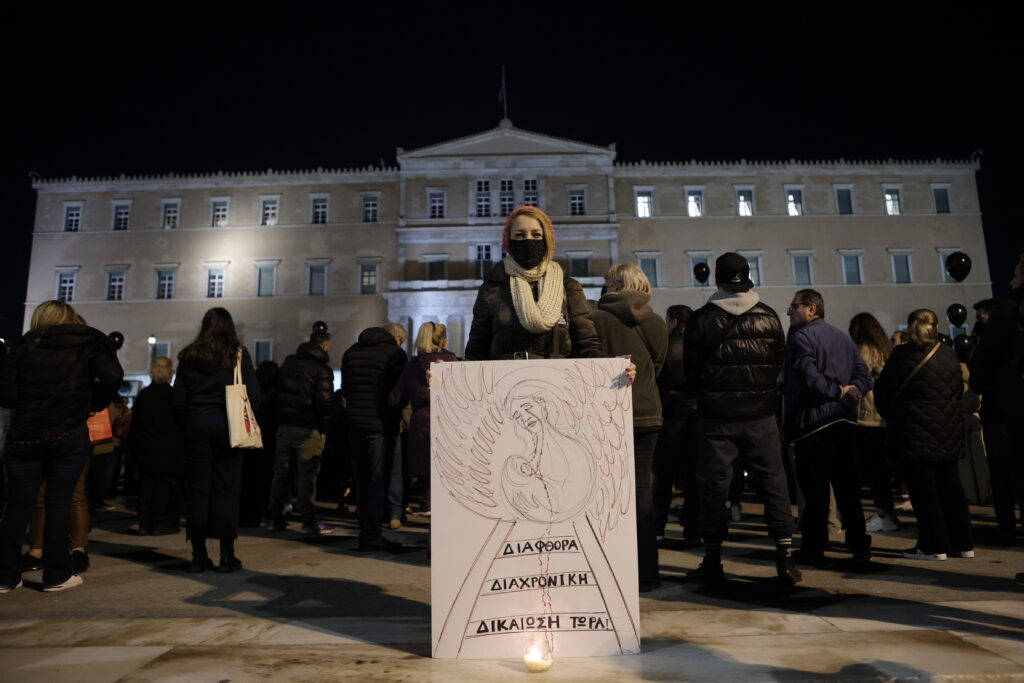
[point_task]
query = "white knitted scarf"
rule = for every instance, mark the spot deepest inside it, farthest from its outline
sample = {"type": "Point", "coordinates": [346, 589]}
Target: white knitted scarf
{"type": "Point", "coordinates": [536, 316]}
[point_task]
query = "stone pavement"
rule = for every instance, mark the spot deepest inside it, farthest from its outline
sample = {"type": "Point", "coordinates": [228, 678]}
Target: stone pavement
{"type": "Point", "coordinates": [313, 609]}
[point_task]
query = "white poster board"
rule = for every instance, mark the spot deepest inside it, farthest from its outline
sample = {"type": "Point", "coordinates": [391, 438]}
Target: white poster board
{"type": "Point", "coordinates": [533, 526]}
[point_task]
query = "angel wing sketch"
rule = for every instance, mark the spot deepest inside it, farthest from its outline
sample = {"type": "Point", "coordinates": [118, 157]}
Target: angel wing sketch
{"type": "Point", "coordinates": [566, 474]}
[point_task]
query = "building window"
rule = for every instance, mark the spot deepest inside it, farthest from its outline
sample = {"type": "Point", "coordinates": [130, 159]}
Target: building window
{"type": "Point", "coordinates": [578, 202]}
{"type": "Point", "coordinates": [801, 268]}
{"type": "Point", "coordinates": [755, 268]}
{"type": "Point", "coordinates": [317, 280]}
{"type": "Point", "coordinates": [892, 201]}
{"type": "Point", "coordinates": [745, 201]}
{"type": "Point", "coordinates": [266, 281]}
{"type": "Point", "coordinates": [72, 217]}
{"type": "Point", "coordinates": [483, 199]}
{"type": "Point", "coordinates": [579, 266]}
{"type": "Point", "coordinates": [944, 252]}
{"type": "Point", "coordinates": [436, 268]}
{"type": "Point", "coordinates": [508, 197]}
{"type": "Point", "coordinates": [941, 195]}
{"type": "Point", "coordinates": [122, 216]}
{"type": "Point", "coordinates": [215, 283]}
{"type": "Point", "coordinates": [269, 211]}
{"type": "Point", "coordinates": [483, 260]}
{"type": "Point", "coordinates": [368, 278]}
{"type": "Point", "coordinates": [219, 219]}
{"type": "Point", "coordinates": [648, 262]}
{"type": "Point", "coordinates": [853, 270]}
{"type": "Point", "coordinates": [436, 200]}
{"type": "Point", "coordinates": [795, 201]}
{"type": "Point", "coordinates": [165, 284]}
{"type": "Point", "coordinates": [844, 199]}
{"type": "Point", "coordinates": [644, 200]}
{"type": "Point", "coordinates": [695, 203]}
{"type": "Point", "coordinates": [115, 285]}
{"type": "Point", "coordinates": [697, 258]}
{"type": "Point", "coordinates": [319, 213]}
{"type": "Point", "coordinates": [264, 350]}
{"type": "Point", "coordinates": [172, 212]}
{"type": "Point", "coordinates": [66, 286]}
{"type": "Point", "coordinates": [530, 196]}
{"type": "Point", "coordinates": [162, 350]}
{"type": "Point", "coordinates": [371, 208]}
{"type": "Point", "coordinates": [901, 268]}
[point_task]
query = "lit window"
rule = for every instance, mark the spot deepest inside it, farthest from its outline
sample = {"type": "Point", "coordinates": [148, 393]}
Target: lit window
{"type": "Point", "coordinates": [801, 269]}
{"type": "Point", "coordinates": [264, 350]}
{"type": "Point", "coordinates": [220, 213]}
{"type": "Point", "coordinates": [649, 264]}
{"type": "Point", "coordinates": [745, 202]}
{"type": "Point", "coordinates": [755, 269]}
{"type": "Point", "coordinates": [319, 210]}
{"type": "Point", "coordinates": [483, 198]}
{"type": "Point", "coordinates": [530, 196]}
{"type": "Point", "coordinates": [578, 202]}
{"type": "Point", "coordinates": [371, 207]}
{"type": "Point", "coordinates": [901, 273]}
{"type": "Point", "coordinates": [162, 350]}
{"type": "Point", "coordinates": [483, 260]}
{"type": "Point", "coordinates": [165, 284]}
{"type": "Point", "coordinates": [72, 218]}
{"type": "Point", "coordinates": [215, 283]}
{"type": "Point", "coordinates": [852, 271]}
{"type": "Point", "coordinates": [122, 216]}
{"type": "Point", "coordinates": [172, 211]}
{"type": "Point", "coordinates": [115, 285]}
{"type": "Point", "coordinates": [317, 280]}
{"type": "Point", "coordinates": [367, 278]}
{"type": "Point", "coordinates": [436, 204]}
{"type": "Point", "coordinates": [66, 286]}
{"type": "Point", "coordinates": [267, 280]}
{"type": "Point", "coordinates": [268, 212]}
{"type": "Point", "coordinates": [508, 197]}
{"type": "Point", "coordinates": [844, 200]}
{"type": "Point", "coordinates": [943, 254]}
{"type": "Point", "coordinates": [892, 201]}
{"type": "Point", "coordinates": [795, 202]}
{"type": "Point", "coordinates": [695, 203]}
{"type": "Point", "coordinates": [941, 195]}
{"type": "Point", "coordinates": [644, 204]}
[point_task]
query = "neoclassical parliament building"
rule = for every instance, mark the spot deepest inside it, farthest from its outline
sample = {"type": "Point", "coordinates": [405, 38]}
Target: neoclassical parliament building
{"type": "Point", "coordinates": [359, 247]}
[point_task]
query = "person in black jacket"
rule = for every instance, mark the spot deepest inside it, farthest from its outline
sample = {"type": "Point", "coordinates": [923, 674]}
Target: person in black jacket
{"type": "Point", "coordinates": [732, 356]}
{"type": "Point", "coordinates": [158, 446]}
{"type": "Point", "coordinates": [627, 326]}
{"type": "Point", "coordinates": [213, 469]}
{"type": "Point", "coordinates": [369, 370]}
{"type": "Point", "coordinates": [60, 371]}
{"type": "Point", "coordinates": [305, 392]}
{"type": "Point", "coordinates": [919, 394]}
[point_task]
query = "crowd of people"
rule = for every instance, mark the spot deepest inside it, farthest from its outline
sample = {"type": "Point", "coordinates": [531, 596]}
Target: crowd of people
{"type": "Point", "coordinates": [722, 396]}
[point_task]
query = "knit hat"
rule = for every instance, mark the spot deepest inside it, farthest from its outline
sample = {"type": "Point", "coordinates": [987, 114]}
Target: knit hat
{"type": "Point", "coordinates": [545, 224]}
{"type": "Point", "coordinates": [732, 273]}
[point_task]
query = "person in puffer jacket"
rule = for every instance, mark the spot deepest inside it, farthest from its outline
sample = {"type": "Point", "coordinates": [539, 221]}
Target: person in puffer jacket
{"type": "Point", "coordinates": [919, 394]}
{"type": "Point", "coordinates": [732, 355]}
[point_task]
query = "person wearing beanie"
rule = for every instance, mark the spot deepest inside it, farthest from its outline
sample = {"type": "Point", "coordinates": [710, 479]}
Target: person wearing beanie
{"type": "Point", "coordinates": [527, 306]}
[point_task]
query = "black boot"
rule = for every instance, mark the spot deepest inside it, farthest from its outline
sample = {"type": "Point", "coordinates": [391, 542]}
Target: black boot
{"type": "Point", "coordinates": [785, 566]}
{"type": "Point", "coordinates": [228, 562]}
{"type": "Point", "coordinates": [200, 559]}
{"type": "Point", "coordinates": [710, 572]}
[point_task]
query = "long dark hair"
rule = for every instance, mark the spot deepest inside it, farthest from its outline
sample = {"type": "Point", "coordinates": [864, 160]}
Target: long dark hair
{"type": "Point", "coordinates": [216, 342]}
{"type": "Point", "coordinates": [865, 330]}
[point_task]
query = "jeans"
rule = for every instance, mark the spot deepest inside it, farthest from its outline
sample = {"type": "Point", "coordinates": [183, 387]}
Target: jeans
{"type": "Point", "coordinates": [305, 444]}
{"type": "Point", "coordinates": [79, 522]}
{"type": "Point", "coordinates": [644, 445]}
{"type": "Point", "coordinates": [59, 463]}
{"type": "Point", "coordinates": [371, 465]}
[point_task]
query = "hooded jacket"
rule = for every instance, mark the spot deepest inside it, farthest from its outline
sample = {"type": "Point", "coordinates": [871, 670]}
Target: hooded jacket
{"type": "Point", "coordinates": [732, 355]}
{"type": "Point", "coordinates": [54, 379]}
{"type": "Point", "coordinates": [369, 369]}
{"type": "Point", "coordinates": [626, 324]}
{"type": "Point", "coordinates": [305, 389]}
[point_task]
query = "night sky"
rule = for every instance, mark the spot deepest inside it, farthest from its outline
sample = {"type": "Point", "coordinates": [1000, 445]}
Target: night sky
{"type": "Point", "coordinates": [335, 85]}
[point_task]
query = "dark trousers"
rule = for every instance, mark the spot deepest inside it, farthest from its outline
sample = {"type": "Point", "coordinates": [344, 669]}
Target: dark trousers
{"type": "Point", "coordinates": [159, 504]}
{"type": "Point", "coordinates": [79, 517]}
{"type": "Point", "coordinates": [371, 464]}
{"type": "Point", "coordinates": [668, 464]}
{"type": "Point", "coordinates": [1004, 445]}
{"type": "Point", "coordinates": [398, 483]}
{"type": "Point", "coordinates": [213, 477]}
{"type": "Point", "coordinates": [301, 447]}
{"type": "Point", "coordinates": [59, 463]}
{"type": "Point", "coordinates": [755, 444]}
{"type": "Point", "coordinates": [644, 445]}
{"type": "Point", "coordinates": [829, 456]}
{"type": "Point", "coordinates": [871, 449]}
{"type": "Point", "coordinates": [943, 519]}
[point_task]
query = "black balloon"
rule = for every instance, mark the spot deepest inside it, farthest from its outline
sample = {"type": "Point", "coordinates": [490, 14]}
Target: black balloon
{"type": "Point", "coordinates": [958, 265]}
{"type": "Point", "coordinates": [957, 314]}
{"type": "Point", "coordinates": [117, 339]}
{"type": "Point", "coordinates": [319, 326]}
{"type": "Point", "coordinates": [701, 271]}
{"type": "Point", "coordinates": [964, 347]}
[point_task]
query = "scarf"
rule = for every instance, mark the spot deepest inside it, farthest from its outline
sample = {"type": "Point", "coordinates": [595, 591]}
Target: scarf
{"type": "Point", "coordinates": [536, 316]}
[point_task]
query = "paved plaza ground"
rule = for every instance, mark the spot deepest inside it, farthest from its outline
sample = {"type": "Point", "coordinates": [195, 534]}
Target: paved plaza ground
{"type": "Point", "coordinates": [314, 609]}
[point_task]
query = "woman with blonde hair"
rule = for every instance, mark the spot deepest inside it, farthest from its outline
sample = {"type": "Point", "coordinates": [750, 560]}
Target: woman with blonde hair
{"type": "Point", "coordinates": [627, 326]}
{"type": "Point", "coordinates": [919, 394]}
{"type": "Point", "coordinates": [157, 444]}
{"type": "Point", "coordinates": [60, 372]}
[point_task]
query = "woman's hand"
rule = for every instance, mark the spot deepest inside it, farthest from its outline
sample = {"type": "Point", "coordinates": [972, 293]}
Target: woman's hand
{"type": "Point", "coordinates": [430, 376]}
{"type": "Point", "coordinates": [630, 369]}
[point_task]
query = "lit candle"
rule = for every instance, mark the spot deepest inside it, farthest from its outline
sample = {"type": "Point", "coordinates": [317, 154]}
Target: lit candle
{"type": "Point", "coordinates": [538, 657]}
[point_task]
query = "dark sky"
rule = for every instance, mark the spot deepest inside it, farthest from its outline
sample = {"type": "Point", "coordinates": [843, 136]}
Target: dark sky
{"type": "Point", "coordinates": [251, 87]}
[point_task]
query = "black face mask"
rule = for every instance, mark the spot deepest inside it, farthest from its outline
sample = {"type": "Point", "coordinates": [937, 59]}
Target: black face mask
{"type": "Point", "coordinates": [527, 253]}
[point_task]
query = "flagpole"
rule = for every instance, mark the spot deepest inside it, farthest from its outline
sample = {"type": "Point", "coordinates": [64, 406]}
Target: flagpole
{"type": "Point", "coordinates": [504, 92]}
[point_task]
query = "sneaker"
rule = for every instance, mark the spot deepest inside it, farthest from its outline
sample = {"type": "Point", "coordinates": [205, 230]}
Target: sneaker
{"type": "Point", "coordinates": [73, 580]}
{"type": "Point", "coordinates": [966, 554]}
{"type": "Point", "coordinates": [710, 574]}
{"type": "Point", "coordinates": [79, 562]}
{"type": "Point", "coordinates": [30, 563]}
{"type": "Point", "coordinates": [879, 522]}
{"type": "Point", "coordinates": [8, 589]}
{"type": "Point", "coordinates": [917, 554]}
{"type": "Point", "coordinates": [736, 513]}
{"type": "Point", "coordinates": [317, 528]}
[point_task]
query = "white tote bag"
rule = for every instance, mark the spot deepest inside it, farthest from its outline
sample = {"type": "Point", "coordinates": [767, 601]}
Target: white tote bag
{"type": "Point", "coordinates": [242, 428]}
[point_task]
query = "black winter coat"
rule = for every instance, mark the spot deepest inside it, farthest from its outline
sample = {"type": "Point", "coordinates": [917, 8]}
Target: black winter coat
{"type": "Point", "coordinates": [412, 388]}
{"type": "Point", "coordinates": [997, 367]}
{"type": "Point", "coordinates": [925, 423]}
{"type": "Point", "coordinates": [626, 325]}
{"type": "Point", "coordinates": [155, 440]}
{"type": "Point", "coordinates": [305, 389]}
{"type": "Point", "coordinates": [369, 369]}
{"type": "Point", "coordinates": [199, 390]}
{"type": "Point", "coordinates": [53, 380]}
{"type": "Point", "coordinates": [732, 362]}
{"type": "Point", "coordinates": [496, 333]}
